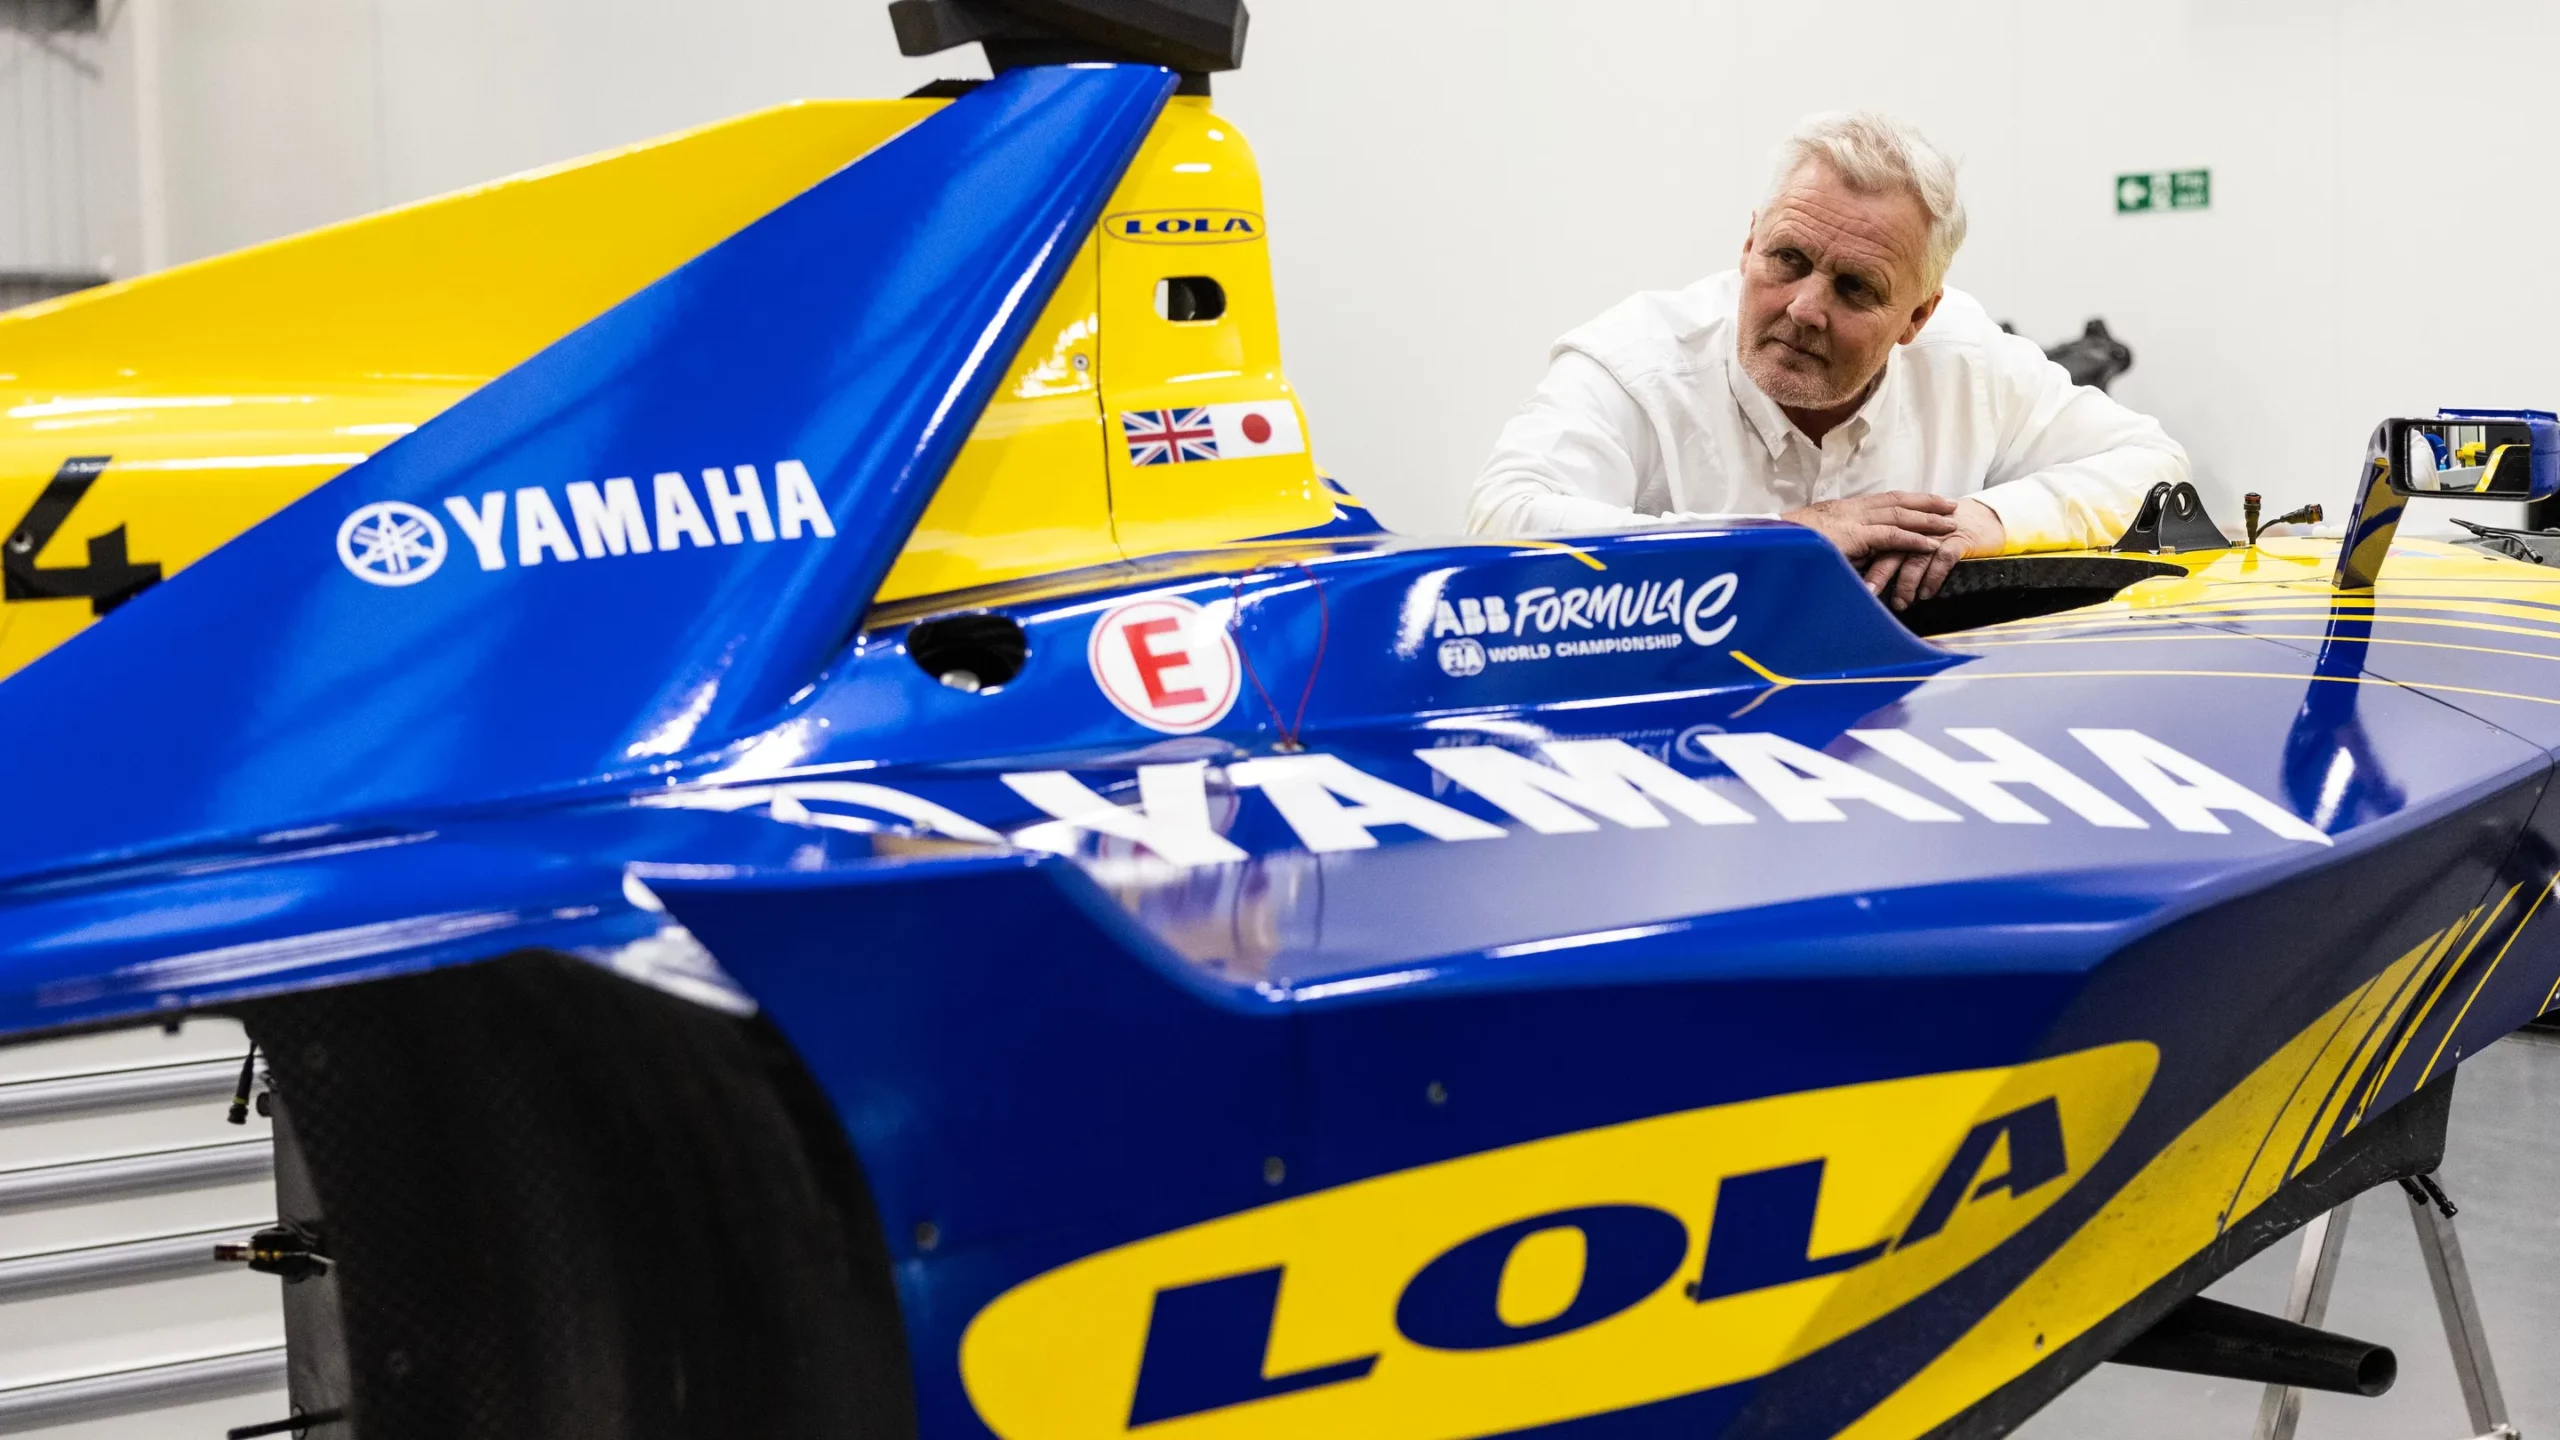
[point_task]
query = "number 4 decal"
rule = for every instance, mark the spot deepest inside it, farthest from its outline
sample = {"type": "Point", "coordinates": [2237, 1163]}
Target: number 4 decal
{"type": "Point", "coordinates": [107, 581]}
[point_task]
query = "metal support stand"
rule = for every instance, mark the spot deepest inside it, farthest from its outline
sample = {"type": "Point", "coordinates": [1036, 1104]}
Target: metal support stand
{"type": "Point", "coordinates": [2316, 1274]}
{"type": "Point", "coordinates": [2432, 1213]}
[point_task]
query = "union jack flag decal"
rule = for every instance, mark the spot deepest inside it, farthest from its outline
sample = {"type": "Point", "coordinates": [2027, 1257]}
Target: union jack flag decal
{"type": "Point", "coordinates": [1169, 437]}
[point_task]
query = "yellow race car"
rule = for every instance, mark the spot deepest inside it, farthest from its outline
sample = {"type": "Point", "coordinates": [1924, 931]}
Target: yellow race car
{"type": "Point", "coordinates": [824, 825]}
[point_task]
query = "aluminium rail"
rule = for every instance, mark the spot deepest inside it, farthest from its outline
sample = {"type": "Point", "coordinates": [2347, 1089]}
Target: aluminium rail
{"type": "Point", "coordinates": [188, 1165]}
{"type": "Point", "coordinates": [107, 1392]}
{"type": "Point", "coordinates": [132, 1088]}
{"type": "Point", "coordinates": [124, 1262]}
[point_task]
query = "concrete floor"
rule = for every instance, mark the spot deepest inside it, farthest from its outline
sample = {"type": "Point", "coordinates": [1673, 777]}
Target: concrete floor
{"type": "Point", "coordinates": [2502, 1166]}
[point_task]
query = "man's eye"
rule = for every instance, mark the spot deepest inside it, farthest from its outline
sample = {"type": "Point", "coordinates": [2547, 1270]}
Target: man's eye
{"type": "Point", "coordinates": [1852, 288]}
{"type": "Point", "coordinates": [1791, 261]}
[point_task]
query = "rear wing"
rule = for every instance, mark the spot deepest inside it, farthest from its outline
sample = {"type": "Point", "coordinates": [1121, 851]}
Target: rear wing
{"type": "Point", "coordinates": [634, 546]}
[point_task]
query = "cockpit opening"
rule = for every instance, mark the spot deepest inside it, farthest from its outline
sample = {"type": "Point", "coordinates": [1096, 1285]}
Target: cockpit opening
{"type": "Point", "coordinates": [1991, 591]}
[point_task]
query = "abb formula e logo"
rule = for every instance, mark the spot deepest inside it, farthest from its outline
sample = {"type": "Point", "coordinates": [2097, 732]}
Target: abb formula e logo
{"type": "Point", "coordinates": [1166, 663]}
{"type": "Point", "coordinates": [1620, 618]}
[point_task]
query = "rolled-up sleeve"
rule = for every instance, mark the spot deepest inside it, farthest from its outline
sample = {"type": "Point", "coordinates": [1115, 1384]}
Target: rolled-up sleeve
{"type": "Point", "coordinates": [2072, 464]}
{"type": "Point", "coordinates": [1570, 460]}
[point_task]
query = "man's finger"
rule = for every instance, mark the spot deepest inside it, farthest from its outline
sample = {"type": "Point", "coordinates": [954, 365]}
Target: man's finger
{"type": "Point", "coordinates": [1923, 579]}
{"type": "Point", "coordinates": [1906, 581]}
{"type": "Point", "coordinates": [1856, 543]}
{"type": "Point", "coordinates": [1880, 573]}
{"type": "Point", "coordinates": [1893, 539]}
{"type": "Point", "coordinates": [1918, 500]}
{"type": "Point", "coordinates": [1924, 521]}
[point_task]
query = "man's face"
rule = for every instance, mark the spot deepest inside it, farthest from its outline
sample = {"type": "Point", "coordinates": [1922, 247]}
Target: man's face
{"type": "Point", "coordinates": [1830, 284]}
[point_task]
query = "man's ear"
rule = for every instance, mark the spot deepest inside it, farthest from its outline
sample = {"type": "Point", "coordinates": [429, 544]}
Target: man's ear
{"type": "Point", "coordinates": [1749, 230]}
{"type": "Point", "coordinates": [1920, 317]}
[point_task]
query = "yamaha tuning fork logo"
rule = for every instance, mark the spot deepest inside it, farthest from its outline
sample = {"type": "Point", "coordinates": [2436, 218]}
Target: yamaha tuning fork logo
{"type": "Point", "coordinates": [393, 543]}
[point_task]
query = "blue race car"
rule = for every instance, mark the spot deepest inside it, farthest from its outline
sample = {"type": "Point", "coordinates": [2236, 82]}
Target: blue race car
{"type": "Point", "coordinates": [806, 857]}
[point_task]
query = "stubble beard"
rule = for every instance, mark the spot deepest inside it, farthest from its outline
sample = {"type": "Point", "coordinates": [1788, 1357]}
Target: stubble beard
{"type": "Point", "coordinates": [1764, 358]}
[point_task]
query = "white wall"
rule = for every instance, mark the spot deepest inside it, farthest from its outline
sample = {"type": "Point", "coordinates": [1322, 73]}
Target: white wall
{"type": "Point", "coordinates": [66, 193]}
{"type": "Point", "coordinates": [284, 114]}
{"type": "Point", "coordinates": [1454, 182]}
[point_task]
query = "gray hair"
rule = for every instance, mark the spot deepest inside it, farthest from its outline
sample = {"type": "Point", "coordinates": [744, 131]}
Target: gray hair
{"type": "Point", "coordinates": [1876, 153]}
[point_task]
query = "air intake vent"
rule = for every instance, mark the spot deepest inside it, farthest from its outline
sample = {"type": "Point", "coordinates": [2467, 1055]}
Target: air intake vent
{"type": "Point", "coordinates": [978, 652]}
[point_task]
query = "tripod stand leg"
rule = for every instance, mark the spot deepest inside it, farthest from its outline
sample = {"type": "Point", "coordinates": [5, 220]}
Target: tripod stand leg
{"type": "Point", "coordinates": [2314, 1275]}
{"type": "Point", "coordinates": [2458, 1307]}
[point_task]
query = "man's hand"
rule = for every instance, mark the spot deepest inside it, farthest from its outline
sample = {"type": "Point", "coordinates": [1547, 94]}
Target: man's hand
{"type": "Point", "coordinates": [1870, 528]}
{"type": "Point", "coordinates": [1900, 577]}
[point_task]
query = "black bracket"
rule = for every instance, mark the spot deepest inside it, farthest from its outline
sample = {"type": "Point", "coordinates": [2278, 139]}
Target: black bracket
{"type": "Point", "coordinates": [1193, 37]}
{"type": "Point", "coordinates": [297, 1424]}
{"type": "Point", "coordinates": [2423, 1190]}
{"type": "Point", "coordinates": [2172, 519]}
{"type": "Point", "coordinates": [2534, 547]}
{"type": "Point", "coordinates": [289, 1250]}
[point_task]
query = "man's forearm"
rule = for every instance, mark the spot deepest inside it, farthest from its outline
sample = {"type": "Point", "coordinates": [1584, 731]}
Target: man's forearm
{"type": "Point", "coordinates": [1573, 459]}
{"type": "Point", "coordinates": [2084, 505]}
{"type": "Point", "coordinates": [2081, 462]}
{"type": "Point", "coordinates": [1522, 505]}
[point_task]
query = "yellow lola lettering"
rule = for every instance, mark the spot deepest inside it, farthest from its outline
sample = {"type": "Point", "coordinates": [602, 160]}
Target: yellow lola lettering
{"type": "Point", "coordinates": [1562, 1277]}
{"type": "Point", "coordinates": [1184, 227]}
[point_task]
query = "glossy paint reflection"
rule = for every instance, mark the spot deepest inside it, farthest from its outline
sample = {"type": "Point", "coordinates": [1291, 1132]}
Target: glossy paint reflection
{"type": "Point", "coordinates": [844, 338]}
{"type": "Point", "coordinates": [2332, 771]}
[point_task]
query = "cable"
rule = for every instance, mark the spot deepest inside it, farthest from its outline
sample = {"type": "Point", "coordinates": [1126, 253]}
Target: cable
{"type": "Point", "coordinates": [1291, 729]}
{"type": "Point", "coordinates": [248, 1079]}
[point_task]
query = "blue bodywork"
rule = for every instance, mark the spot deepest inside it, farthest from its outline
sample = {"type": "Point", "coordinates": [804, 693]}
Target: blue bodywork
{"type": "Point", "coordinates": [857, 330]}
{"type": "Point", "coordinates": [269, 774]}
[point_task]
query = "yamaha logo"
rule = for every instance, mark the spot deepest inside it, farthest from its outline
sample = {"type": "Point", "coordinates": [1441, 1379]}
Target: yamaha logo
{"type": "Point", "coordinates": [391, 542]}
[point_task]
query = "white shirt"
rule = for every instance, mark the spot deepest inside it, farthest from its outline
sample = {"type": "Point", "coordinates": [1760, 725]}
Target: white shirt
{"type": "Point", "coordinates": [1646, 413]}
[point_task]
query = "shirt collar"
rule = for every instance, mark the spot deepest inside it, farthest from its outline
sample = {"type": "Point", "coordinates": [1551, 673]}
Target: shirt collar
{"type": "Point", "coordinates": [1776, 430]}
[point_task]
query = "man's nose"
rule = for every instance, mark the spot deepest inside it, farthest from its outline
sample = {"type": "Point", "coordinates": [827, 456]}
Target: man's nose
{"type": "Point", "coordinates": [1804, 305]}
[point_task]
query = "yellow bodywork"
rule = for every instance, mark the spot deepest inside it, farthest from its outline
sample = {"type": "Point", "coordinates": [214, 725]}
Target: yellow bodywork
{"type": "Point", "coordinates": [223, 390]}
{"type": "Point", "coordinates": [1058, 1357]}
{"type": "Point", "coordinates": [2231, 1160]}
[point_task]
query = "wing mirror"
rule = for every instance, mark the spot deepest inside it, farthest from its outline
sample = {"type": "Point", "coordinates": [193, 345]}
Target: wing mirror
{"type": "Point", "coordinates": [2451, 455]}
{"type": "Point", "coordinates": [2497, 456]}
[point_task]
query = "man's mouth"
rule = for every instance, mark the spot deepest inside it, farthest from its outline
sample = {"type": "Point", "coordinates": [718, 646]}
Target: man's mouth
{"type": "Point", "coordinates": [1791, 353]}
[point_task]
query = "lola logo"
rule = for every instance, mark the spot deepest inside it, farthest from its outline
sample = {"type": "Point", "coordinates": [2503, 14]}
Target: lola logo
{"type": "Point", "coordinates": [1574, 1275]}
{"type": "Point", "coordinates": [1184, 227]}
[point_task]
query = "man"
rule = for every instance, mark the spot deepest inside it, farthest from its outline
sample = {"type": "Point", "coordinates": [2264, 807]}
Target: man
{"type": "Point", "coordinates": [1831, 381]}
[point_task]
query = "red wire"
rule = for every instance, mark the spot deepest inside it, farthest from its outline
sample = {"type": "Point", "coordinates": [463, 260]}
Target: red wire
{"type": "Point", "coordinates": [1324, 631]}
{"type": "Point", "coordinates": [1290, 731]}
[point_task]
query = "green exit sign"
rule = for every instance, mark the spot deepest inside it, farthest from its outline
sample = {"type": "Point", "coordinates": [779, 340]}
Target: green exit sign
{"type": "Point", "coordinates": [2164, 190]}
